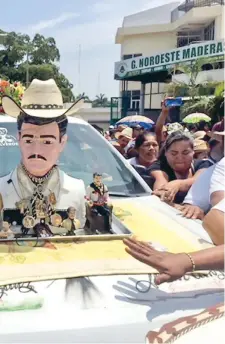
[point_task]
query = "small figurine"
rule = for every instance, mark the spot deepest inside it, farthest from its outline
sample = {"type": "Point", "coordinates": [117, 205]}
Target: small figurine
{"type": "Point", "coordinates": [99, 202]}
{"type": "Point", "coordinates": [6, 232]}
{"type": "Point", "coordinates": [71, 224]}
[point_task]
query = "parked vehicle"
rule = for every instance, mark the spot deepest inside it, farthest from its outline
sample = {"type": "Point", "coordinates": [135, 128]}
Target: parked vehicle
{"type": "Point", "coordinates": [109, 307]}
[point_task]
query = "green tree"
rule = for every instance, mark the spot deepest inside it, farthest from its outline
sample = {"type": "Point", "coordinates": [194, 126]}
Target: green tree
{"type": "Point", "coordinates": [42, 52]}
{"type": "Point", "coordinates": [212, 106]}
{"type": "Point", "coordinates": [101, 101]}
{"type": "Point", "coordinates": [201, 96]}
{"type": "Point", "coordinates": [15, 47]}
{"type": "Point", "coordinates": [190, 89]}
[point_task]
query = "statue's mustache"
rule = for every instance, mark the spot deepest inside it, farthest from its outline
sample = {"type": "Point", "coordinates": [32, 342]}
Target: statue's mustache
{"type": "Point", "coordinates": [37, 156]}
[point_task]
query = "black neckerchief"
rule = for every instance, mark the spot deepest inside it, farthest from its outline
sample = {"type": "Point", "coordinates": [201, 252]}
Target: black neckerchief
{"type": "Point", "coordinates": [93, 186]}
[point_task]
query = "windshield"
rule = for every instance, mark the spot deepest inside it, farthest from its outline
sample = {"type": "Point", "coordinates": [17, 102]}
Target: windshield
{"type": "Point", "coordinates": [85, 153]}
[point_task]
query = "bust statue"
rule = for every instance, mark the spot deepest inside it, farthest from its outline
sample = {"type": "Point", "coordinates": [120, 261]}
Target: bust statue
{"type": "Point", "coordinates": [71, 224]}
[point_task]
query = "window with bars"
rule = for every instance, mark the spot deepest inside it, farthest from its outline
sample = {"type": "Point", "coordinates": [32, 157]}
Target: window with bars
{"type": "Point", "coordinates": [130, 56]}
{"type": "Point", "coordinates": [209, 32]}
{"type": "Point", "coordinates": [187, 37]}
{"type": "Point", "coordinates": [134, 99]}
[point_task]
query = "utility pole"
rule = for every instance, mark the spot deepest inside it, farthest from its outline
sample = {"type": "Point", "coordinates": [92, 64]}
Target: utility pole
{"type": "Point", "coordinates": [99, 84]}
{"type": "Point", "coordinates": [79, 68]}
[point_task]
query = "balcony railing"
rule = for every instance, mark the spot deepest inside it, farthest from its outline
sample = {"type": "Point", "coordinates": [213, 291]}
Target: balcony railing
{"type": "Point", "coordinates": [189, 4]}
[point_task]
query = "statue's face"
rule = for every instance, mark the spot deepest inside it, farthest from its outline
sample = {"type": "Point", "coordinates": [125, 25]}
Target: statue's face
{"type": "Point", "coordinates": [40, 147]}
{"type": "Point", "coordinates": [98, 180]}
{"type": "Point", "coordinates": [72, 213]}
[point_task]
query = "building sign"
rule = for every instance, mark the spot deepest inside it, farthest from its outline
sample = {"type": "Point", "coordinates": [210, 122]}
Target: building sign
{"type": "Point", "coordinates": [165, 60]}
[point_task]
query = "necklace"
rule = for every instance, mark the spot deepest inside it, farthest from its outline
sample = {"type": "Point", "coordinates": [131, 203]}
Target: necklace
{"type": "Point", "coordinates": [38, 180]}
{"type": "Point", "coordinates": [39, 205]}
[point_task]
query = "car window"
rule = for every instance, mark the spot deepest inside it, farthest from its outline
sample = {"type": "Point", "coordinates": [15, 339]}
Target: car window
{"type": "Point", "coordinates": [86, 152]}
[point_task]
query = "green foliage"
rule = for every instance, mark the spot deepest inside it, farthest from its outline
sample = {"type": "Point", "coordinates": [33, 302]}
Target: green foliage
{"type": "Point", "coordinates": [205, 98]}
{"type": "Point", "coordinates": [101, 101]}
{"type": "Point", "coordinates": [44, 50]}
{"type": "Point", "coordinates": [42, 54]}
{"type": "Point", "coordinates": [212, 106]}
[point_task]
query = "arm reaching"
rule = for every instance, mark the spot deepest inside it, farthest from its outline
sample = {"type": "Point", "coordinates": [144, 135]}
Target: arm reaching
{"type": "Point", "coordinates": [160, 123]}
{"type": "Point", "coordinates": [173, 266]}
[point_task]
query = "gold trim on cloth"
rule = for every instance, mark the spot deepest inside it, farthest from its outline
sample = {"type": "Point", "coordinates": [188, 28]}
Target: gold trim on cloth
{"type": "Point", "coordinates": [87, 257]}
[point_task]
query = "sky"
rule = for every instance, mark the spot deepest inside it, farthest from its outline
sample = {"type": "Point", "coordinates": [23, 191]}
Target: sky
{"type": "Point", "coordinates": [90, 24]}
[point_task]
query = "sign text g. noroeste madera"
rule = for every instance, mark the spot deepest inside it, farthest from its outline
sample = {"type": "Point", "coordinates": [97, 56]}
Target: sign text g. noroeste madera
{"type": "Point", "coordinates": [163, 59]}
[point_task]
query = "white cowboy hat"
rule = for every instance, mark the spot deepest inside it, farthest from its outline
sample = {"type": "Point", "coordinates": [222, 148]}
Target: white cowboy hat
{"type": "Point", "coordinates": [41, 99]}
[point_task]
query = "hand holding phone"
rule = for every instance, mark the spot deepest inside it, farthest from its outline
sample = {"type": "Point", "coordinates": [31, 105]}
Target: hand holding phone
{"type": "Point", "coordinates": [173, 102]}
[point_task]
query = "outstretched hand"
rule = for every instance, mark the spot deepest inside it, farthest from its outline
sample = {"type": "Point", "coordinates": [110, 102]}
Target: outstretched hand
{"type": "Point", "coordinates": [167, 192]}
{"type": "Point", "coordinates": [169, 265]}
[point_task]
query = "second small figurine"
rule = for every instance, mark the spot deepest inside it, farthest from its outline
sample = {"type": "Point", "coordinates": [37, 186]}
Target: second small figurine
{"type": "Point", "coordinates": [71, 224]}
{"type": "Point", "coordinates": [99, 204]}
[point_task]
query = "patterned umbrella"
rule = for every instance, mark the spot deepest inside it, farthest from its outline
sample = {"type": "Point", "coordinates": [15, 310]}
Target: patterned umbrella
{"type": "Point", "coordinates": [196, 118]}
{"type": "Point", "coordinates": [145, 122]}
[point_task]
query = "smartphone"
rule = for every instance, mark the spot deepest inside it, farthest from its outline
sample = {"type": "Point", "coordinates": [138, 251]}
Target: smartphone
{"type": "Point", "coordinates": [173, 102]}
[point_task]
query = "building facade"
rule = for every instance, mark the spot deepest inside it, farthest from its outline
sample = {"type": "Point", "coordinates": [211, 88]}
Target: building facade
{"type": "Point", "coordinates": [160, 30]}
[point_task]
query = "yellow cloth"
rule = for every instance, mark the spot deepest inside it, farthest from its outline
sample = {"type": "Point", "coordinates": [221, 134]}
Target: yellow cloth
{"type": "Point", "coordinates": [93, 256]}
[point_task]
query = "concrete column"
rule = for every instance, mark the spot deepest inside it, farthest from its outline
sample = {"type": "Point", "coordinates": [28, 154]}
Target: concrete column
{"type": "Point", "coordinates": [142, 99]}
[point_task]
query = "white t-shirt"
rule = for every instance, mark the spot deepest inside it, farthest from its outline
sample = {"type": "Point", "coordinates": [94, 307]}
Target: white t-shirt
{"type": "Point", "coordinates": [220, 206]}
{"type": "Point", "coordinates": [218, 178]}
{"type": "Point", "coordinates": [211, 180]}
{"type": "Point", "coordinates": [133, 161]}
{"type": "Point", "coordinates": [130, 145]}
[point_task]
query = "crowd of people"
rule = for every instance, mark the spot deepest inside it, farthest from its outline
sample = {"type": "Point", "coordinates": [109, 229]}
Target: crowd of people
{"type": "Point", "coordinates": [183, 165]}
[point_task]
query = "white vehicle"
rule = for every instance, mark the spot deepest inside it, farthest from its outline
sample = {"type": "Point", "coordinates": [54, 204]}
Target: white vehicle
{"type": "Point", "coordinates": [117, 308]}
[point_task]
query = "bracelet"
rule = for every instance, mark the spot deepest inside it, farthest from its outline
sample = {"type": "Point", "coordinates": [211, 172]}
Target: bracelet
{"type": "Point", "coordinates": [192, 261]}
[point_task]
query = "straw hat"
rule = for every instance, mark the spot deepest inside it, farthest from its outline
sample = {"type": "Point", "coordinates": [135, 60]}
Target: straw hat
{"type": "Point", "coordinates": [121, 127]}
{"type": "Point", "coordinates": [41, 99]}
{"type": "Point", "coordinates": [128, 133]}
{"type": "Point", "coordinates": [200, 146]}
{"type": "Point", "coordinates": [174, 127]}
{"type": "Point", "coordinates": [199, 134]}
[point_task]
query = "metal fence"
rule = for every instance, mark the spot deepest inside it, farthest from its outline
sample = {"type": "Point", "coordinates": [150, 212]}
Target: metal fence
{"type": "Point", "coordinates": [189, 4]}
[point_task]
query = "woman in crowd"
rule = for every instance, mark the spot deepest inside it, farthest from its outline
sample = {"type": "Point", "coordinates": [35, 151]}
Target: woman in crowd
{"type": "Point", "coordinates": [175, 171]}
{"type": "Point", "coordinates": [147, 149]}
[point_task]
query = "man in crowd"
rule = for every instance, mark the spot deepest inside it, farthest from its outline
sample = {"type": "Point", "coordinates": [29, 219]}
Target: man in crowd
{"type": "Point", "coordinates": [123, 138]}
{"type": "Point", "coordinates": [137, 130]}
